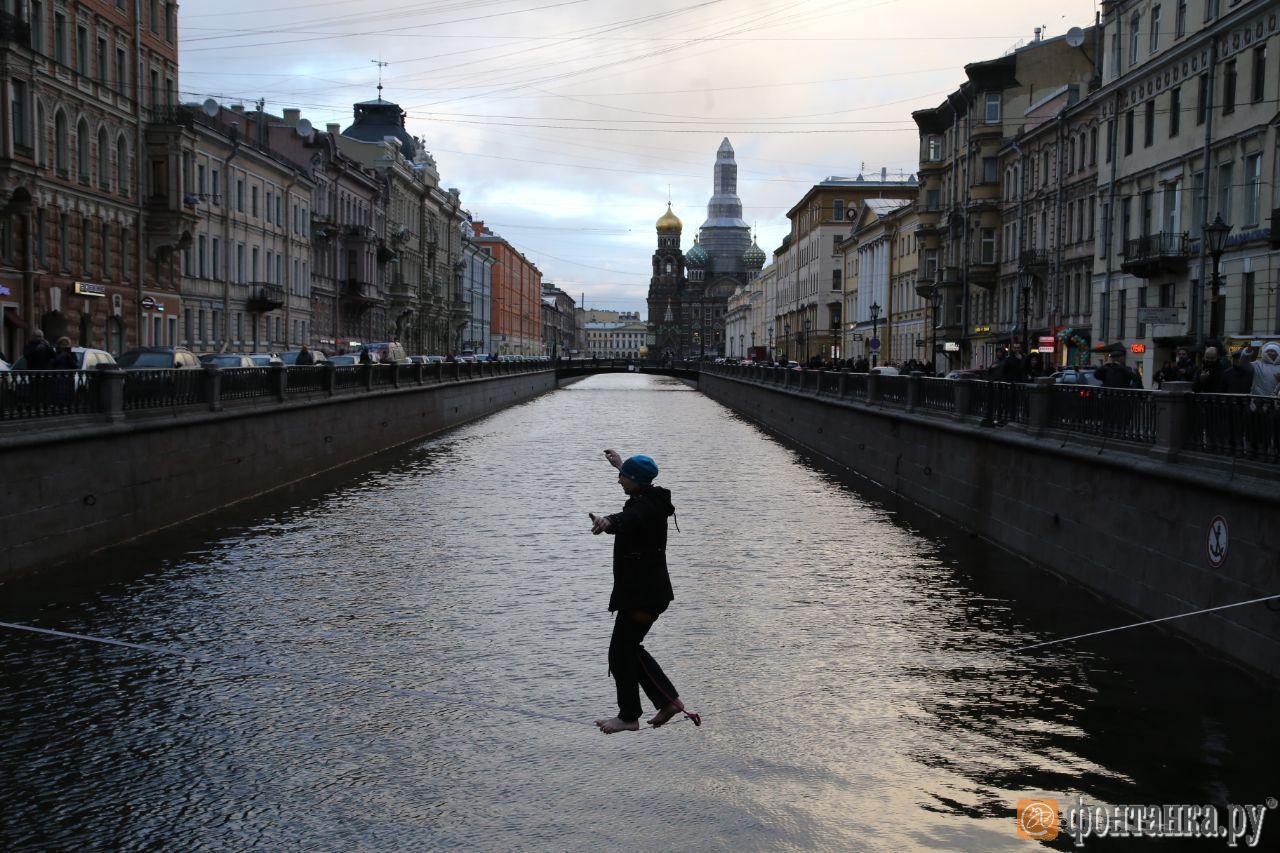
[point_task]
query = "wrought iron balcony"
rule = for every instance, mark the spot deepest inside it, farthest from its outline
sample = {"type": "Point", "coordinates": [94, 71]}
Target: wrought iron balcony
{"type": "Point", "coordinates": [359, 232]}
{"type": "Point", "coordinates": [14, 29]}
{"type": "Point", "coordinates": [984, 273]}
{"type": "Point", "coordinates": [360, 294]}
{"type": "Point", "coordinates": [1155, 254]}
{"type": "Point", "coordinates": [265, 297]}
{"type": "Point", "coordinates": [1033, 260]}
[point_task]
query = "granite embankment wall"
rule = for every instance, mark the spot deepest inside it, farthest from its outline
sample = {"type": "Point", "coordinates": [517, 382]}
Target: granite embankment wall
{"type": "Point", "coordinates": [1118, 518]}
{"type": "Point", "coordinates": [77, 485]}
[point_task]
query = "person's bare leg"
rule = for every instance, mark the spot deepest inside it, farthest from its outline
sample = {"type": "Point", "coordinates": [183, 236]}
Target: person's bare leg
{"type": "Point", "coordinates": [617, 724]}
{"type": "Point", "coordinates": [666, 713]}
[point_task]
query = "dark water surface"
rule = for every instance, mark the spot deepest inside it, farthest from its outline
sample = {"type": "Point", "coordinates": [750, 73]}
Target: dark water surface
{"type": "Point", "coordinates": [465, 567]}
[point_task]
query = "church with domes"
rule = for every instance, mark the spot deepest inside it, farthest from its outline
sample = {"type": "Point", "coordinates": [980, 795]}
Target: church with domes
{"type": "Point", "coordinates": [689, 291]}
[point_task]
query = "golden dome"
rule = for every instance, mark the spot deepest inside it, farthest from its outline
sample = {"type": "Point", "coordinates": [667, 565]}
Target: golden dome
{"type": "Point", "coordinates": [669, 221]}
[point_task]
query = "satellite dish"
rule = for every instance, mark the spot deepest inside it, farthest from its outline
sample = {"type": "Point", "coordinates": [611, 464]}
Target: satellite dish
{"type": "Point", "coordinates": [210, 107]}
{"type": "Point", "coordinates": [303, 127]}
{"type": "Point", "coordinates": [1075, 36]}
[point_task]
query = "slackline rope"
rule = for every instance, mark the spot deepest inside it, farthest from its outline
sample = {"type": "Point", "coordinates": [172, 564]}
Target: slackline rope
{"type": "Point", "coordinates": [511, 709]}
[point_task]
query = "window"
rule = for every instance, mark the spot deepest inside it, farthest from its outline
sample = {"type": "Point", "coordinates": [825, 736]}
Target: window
{"type": "Point", "coordinates": [1229, 87]}
{"type": "Point", "coordinates": [1147, 200]}
{"type": "Point", "coordinates": [201, 263]}
{"type": "Point", "coordinates": [1135, 23]}
{"type": "Point", "coordinates": [155, 16]}
{"type": "Point", "coordinates": [1115, 51]}
{"type": "Point", "coordinates": [168, 22]}
{"type": "Point", "coordinates": [37, 26]}
{"type": "Point", "coordinates": [1149, 123]}
{"type": "Point", "coordinates": [1128, 132]}
{"type": "Point", "coordinates": [1111, 138]}
{"type": "Point", "coordinates": [18, 110]}
{"type": "Point", "coordinates": [987, 246]}
{"type": "Point", "coordinates": [121, 78]}
{"type": "Point", "coordinates": [933, 149]}
{"type": "Point", "coordinates": [104, 159]}
{"type": "Point", "coordinates": [240, 263]}
{"type": "Point", "coordinates": [1197, 204]}
{"type": "Point", "coordinates": [1202, 99]}
{"type": "Point", "coordinates": [253, 198]}
{"type": "Point", "coordinates": [101, 64]}
{"type": "Point", "coordinates": [82, 151]}
{"type": "Point", "coordinates": [835, 279]}
{"type": "Point", "coordinates": [82, 51]}
{"type": "Point", "coordinates": [1253, 190]}
{"type": "Point", "coordinates": [60, 38]}
{"type": "Point", "coordinates": [1175, 110]}
{"type": "Point", "coordinates": [60, 144]}
{"type": "Point", "coordinates": [124, 253]}
{"type": "Point", "coordinates": [1248, 303]}
{"type": "Point", "coordinates": [240, 195]}
{"type": "Point", "coordinates": [1171, 220]}
{"type": "Point", "coordinates": [122, 172]}
{"type": "Point", "coordinates": [992, 113]}
{"type": "Point", "coordinates": [215, 185]}
{"type": "Point", "coordinates": [104, 250]}
{"type": "Point", "coordinates": [1259, 72]}
{"type": "Point", "coordinates": [1210, 9]}
{"type": "Point", "coordinates": [155, 88]}
{"type": "Point", "coordinates": [1154, 40]}
{"type": "Point", "coordinates": [1106, 231]}
{"type": "Point", "coordinates": [989, 170]}
{"type": "Point", "coordinates": [837, 210]}
{"type": "Point", "coordinates": [1224, 191]}
{"type": "Point", "coordinates": [215, 264]}
{"type": "Point", "coordinates": [1121, 301]}
{"type": "Point", "coordinates": [201, 187]}
{"type": "Point", "coordinates": [1180, 20]}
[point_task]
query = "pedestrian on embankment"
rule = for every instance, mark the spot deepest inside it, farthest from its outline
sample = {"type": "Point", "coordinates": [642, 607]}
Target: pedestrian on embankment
{"type": "Point", "coordinates": [641, 593]}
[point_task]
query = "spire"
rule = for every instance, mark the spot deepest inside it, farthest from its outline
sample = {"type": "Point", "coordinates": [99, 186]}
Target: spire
{"type": "Point", "coordinates": [381, 65]}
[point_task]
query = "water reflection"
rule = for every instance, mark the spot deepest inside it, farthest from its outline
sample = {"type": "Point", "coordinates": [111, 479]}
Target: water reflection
{"type": "Point", "coordinates": [850, 656]}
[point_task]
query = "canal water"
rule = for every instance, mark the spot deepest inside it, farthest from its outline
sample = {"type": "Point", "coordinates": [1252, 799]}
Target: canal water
{"type": "Point", "coordinates": [852, 658]}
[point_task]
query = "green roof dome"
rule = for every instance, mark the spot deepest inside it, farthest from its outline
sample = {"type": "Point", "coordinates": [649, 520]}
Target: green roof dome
{"type": "Point", "coordinates": [754, 257]}
{"type": "Point", "coordinates": [697, 257]}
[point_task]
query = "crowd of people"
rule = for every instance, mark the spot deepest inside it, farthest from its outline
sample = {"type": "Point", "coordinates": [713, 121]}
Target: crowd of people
{"type": "Point", "coordinates": [1243, 372]}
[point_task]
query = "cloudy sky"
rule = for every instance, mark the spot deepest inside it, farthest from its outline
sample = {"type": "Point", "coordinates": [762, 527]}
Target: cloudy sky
{"type": "Point", "coordinates": [565, 123]}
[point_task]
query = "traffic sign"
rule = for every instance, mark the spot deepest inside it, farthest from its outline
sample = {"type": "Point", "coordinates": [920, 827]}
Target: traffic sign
{"type": "Point", "coordinates": [875, 344]}
{"type": "Point", "coordinates": [148, 303]}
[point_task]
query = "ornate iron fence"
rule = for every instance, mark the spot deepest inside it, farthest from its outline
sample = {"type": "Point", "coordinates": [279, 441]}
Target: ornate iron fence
{"type": "Point", "coordinates": [304, 380]}
{"type": "Point", "coordinates": [892, 389]}
{"type": "Point", "coordinates": [154, 389]}
{"type": "Point", "coordinates": [1236, 425]}
{"type": "Point", "coordinates": [46, 393]}
{"type": "Point", "coordinates": [1108, 412]}
{"type": "Point", "coordinates": [348, 376]}
{"type": "Point", "coordinates": [937, 394]}
{"type": "Point", "coordinates": [856, 386]}
{"type": "Point", "coordinates": [245, 383]}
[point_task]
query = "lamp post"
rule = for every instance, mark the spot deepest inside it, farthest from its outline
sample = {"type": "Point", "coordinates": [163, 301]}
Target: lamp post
{"type": "Point", "coordinates": [807, 326]}
{"type": "Point", "coordinates": [875, 321]}
{"type": "Point", "coordinates": [741, 344]}
{"type": "Point", "coordinates": [1024, 287]}
{"type": "Point", "coordinates": [786, 337]}
{"type": "Point", "coordinates": [771, 342]}
{"type": "Point", "coordinates": [1215, 237]}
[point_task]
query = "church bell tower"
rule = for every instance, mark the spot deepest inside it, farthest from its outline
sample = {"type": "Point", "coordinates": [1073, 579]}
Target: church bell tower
{"type": "Point", "coordinates": [665, 289]}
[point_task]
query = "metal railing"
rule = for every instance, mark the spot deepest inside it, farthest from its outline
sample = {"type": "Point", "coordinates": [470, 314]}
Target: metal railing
{"type": "Point", "coordinates": [1236, 425]}
{"type": "Point", "coordinates": [45, 393]}
{"type": "Point", "coordinates": [893, 389]}
{"type": "Point", "coordinates": [348, 376]}
{"type": "Point", "coordinates": [856, 386]}
{"type": "Point", "coordinates": [154, 389]}
{"type": "Point", "coordinates": [305, 380]}
{"type": "Point", "coordinates": [1108, 412]}
{"type": "Point", "coordinates": [937, 394]}
{"type": "Point", "coordinates": [245, 383]}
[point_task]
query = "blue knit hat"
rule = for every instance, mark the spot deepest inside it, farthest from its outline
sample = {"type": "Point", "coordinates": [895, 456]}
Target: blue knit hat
{"type": "Point", "coordinates": [642, 469]}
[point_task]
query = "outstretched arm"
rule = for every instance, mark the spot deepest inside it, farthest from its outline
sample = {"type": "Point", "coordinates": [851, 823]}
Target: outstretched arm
{"type": "Point", "coordinates": [614, 459]}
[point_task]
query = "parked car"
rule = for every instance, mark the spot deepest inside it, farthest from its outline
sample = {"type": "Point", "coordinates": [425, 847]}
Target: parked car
{"type": "Point", "coordinates": [87, 358]}
{"type": "Point", "coordinates": [159, 358]}
{"type": "Point", "coordinates": [4, 365]}
{"type": "Point", "coordinates": [885, 370]}
{"type": "Point", "coordinates": [387, 352]}
{"type": "Point", "coordinates": [265, 359]}
{"type": "Point", "coordinates": [226, 360]}
{"type": "Point", "coordinates": [290, 358]}
{"type": "Point", "coordinates": [1077, 376]}
{"type": "Point", "coordinates": [345, 359]}
{"type": "Point", "coordinates": [968, 373]}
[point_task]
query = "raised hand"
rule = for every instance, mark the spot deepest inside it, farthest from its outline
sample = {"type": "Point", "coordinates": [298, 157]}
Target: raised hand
{"type": "Point", "coordinates": [614, 459]}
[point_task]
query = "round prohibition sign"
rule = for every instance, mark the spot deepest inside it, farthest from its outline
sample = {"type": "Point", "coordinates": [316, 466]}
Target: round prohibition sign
{"type": "Point", "coordinates": [1217, 541]}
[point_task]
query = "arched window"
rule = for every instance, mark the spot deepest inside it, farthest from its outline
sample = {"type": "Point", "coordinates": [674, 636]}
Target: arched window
{"type": "Point", "coordinates": [82, 151]}
{"type": "Point", "coordinates": [61, 147]}
{"type": "Point", "coordinates": [122, 166]}
{"type": "Point", "coordinates": [104, 159]}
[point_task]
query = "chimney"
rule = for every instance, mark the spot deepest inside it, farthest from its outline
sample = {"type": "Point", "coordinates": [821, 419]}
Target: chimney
{"type": "Point", "coordinates": [333, 129]}
{"type": "Point", "coordinates": [291, 117]}
{"type": "Point", "coordinates": [884, 174]}
{"type": "Point", "coordinates": [1038, 31]}
{"type": "Point", "coordinates": [239, 108]}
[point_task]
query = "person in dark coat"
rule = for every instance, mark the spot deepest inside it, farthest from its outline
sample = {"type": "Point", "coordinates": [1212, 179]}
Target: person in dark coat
{"type": "Point", "coordinates": [1238, 378]}
{"type": "Point", "coordinates": [65, 359]}
{"type": "Point", "coordinates": [366, 357]}
{"type": "Point", "coordinates": [38, 353]}
{"type": "Point", "coordinates": [1185, 367]}
{"type": "Point", "coordinates": [1034, 367]}
{"type": "Point", "coordinates": [641, 592]}
{"type": "Point", "coordinates": [305, 358]}
{"type": "Point", "coordinates": [1115, 374]}
{"type": "Point", "coordinates": [1209, 378]}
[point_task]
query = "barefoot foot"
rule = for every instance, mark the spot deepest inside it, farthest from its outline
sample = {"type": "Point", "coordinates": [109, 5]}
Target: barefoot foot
{"type": "Point", "coordinates": [617, 724]}
{"type": "Point", "coordinates": [666, 714]}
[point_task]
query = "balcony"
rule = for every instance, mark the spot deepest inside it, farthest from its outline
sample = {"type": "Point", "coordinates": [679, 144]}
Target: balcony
{"type": "Point", "coordinates": [386, 254]}
{"type": "Point", "coordinates": [1155, 254]}
{"type": "Point", "coordinates": [360, 295]}
{"type": "Point", "coordinates": [983, 197]}
{"type": "Point", "coordinates": [927, 285]}
{"type": "Point", "coordinates": [983, 273]}
{"type": "Point", "coordinates": [264, 298]}
{"type": "Point", "coordinates": [14, 30]}
{"type": "Point", "coordinates": [359, 233]}
{"type": "Point", "coordinates": [1034, 261]}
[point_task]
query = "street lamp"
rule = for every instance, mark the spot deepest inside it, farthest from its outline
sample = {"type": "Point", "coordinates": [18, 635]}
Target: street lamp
{"type": "Point", "coordinates": [1024, 285]}
{"type": "Point", "coordinates": [807, 325]}
{"type": "Point", "coordinates": [875, 339]}
{"type": "Point", "coordinates": [771, 342]}
{"type": "Point", "coordinates": [1215, 238]}
{"type": "Point", "coordinates": [786, 336]}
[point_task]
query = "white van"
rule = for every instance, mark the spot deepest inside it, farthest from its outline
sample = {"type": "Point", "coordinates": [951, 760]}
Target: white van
{"type": "Point", "coordinates": [387, 352]}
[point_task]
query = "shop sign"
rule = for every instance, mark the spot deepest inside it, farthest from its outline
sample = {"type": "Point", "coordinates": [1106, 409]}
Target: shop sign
{"type": "Point", "coordinates": [1046, 343]}
{"type": "Point", "coordinates": [88, 288]}
{"type": "Point", "coordinates": [1158, 316]}
{"type": "Point", "coordinates": [151, 305]}
{"type": "Point", "coordinates": [1138, 348]}
{"type": "Point", "coordinates": [950, 346]}
{"type": "Point", "coordinates": [978, 330]}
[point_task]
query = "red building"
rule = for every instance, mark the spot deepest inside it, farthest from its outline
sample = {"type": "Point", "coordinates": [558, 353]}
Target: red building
{"type": "Point", "coordinates": [517, 296]}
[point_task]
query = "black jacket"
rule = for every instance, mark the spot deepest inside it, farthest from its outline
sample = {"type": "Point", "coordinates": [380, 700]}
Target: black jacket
{"type": "Point", "coordinates": [1118, 376]}
{"type": "Point", "coordinates": [1237, 379]}
{"type": "Point", "coordinates": [39, 354]}
{"type": "Point", "coordinates": [640, 579]}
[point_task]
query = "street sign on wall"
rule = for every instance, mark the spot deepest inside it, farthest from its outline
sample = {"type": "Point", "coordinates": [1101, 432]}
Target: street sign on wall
{"type": "Point", "coordinates": [1158, 316]}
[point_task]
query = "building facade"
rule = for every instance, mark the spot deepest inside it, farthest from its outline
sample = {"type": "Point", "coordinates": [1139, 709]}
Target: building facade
{"type": "Point", "coordinates": [477, 290]}
{"type": "Point", "coordinates": [517, 296]}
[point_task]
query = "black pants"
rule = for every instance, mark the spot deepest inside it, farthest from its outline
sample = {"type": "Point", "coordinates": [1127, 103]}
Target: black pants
{"type": "Point", "coordinates": [632, 666]}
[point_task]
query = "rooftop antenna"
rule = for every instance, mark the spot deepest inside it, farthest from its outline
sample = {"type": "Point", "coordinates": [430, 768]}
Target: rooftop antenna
{"type": "Point", "coordinates": [381, 65]}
